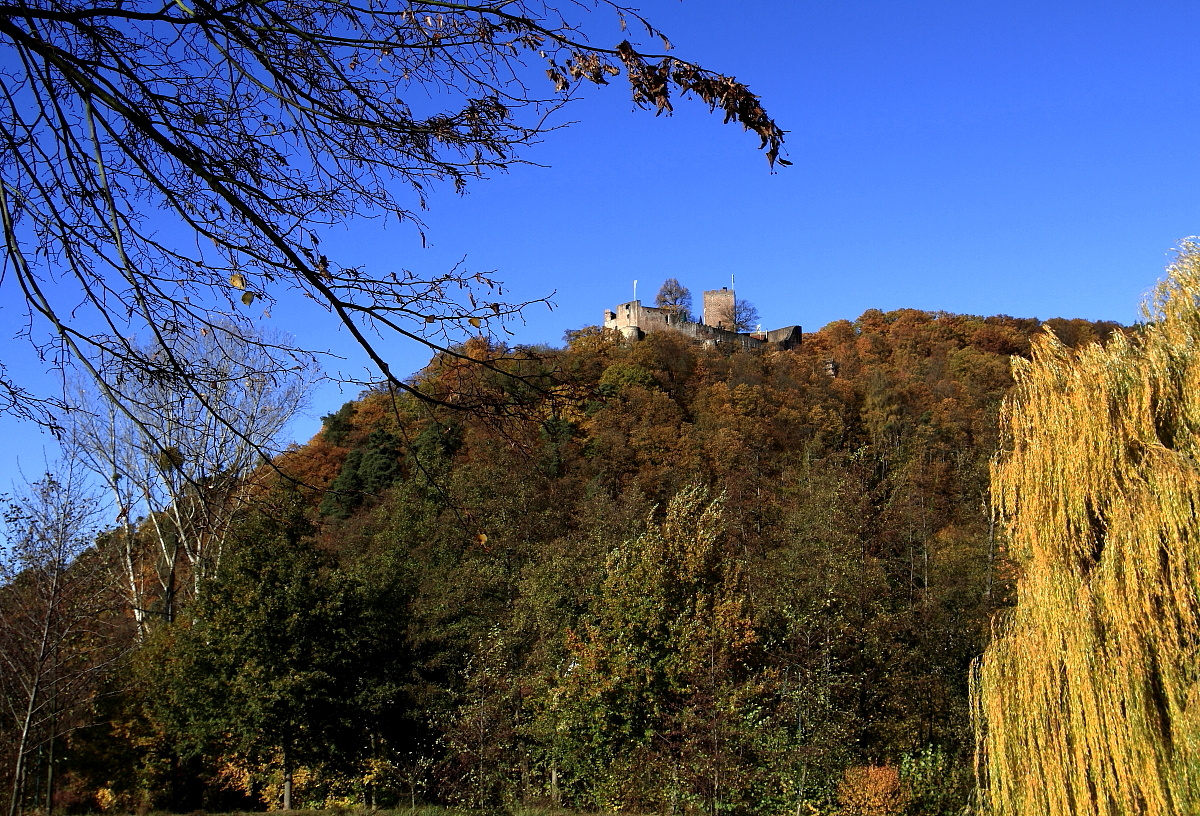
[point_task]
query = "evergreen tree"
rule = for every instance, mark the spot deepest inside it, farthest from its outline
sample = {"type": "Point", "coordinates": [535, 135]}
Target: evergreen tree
{"type": "Point", "coordinates": [285, 661]}
{"type": "Point", "coordinates": [367, 471]}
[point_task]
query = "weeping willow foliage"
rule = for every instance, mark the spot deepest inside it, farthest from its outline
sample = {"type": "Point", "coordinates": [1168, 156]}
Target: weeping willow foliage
{"type": "Point", "coordinates": [1087, 701]}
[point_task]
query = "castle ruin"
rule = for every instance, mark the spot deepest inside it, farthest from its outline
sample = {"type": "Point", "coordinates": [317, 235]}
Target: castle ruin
{"type": "Point", "coordinates": [633, 321]}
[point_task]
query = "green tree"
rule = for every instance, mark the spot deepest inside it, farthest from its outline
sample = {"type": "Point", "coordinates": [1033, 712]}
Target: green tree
{"type": "Point", "coordinates": [661, 703]}
{"type": "Point", "coordinates": [367, 471]}
{"type": "Point", "coordinates": [284, 661]}
{"type": "Point", "coordinates": [338, 425]}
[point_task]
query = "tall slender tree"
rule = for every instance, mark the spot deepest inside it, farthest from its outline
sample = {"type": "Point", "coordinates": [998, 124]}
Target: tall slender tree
{"type": "Point", "coordinates": [663, 673]}
{"type": "Point", "coordinates": [56, 622]}
{"type": "Point", "coordinates": [176, 459]}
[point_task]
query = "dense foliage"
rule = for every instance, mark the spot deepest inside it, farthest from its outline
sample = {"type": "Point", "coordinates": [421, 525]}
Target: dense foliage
{"type": "Point", "coordinates": [1089, 700]}
{"type": "Point", "coordinates": [678, 579]}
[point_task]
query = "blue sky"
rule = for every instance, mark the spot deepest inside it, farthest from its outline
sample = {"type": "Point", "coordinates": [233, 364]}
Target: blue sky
{"type": "Point", "coordinates": [1033, 159]}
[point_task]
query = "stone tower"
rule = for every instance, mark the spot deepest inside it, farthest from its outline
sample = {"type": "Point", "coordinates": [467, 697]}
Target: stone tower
{"type": "Point", "coordinates": [718, 308]}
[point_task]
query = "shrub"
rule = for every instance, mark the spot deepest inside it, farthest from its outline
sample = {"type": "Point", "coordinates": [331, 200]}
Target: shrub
{"type": "Point", "coordinates": [871, 791]}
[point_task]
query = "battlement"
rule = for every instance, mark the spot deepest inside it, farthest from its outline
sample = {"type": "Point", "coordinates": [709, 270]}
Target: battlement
{"type": "Point", "coordinates": [633, 321]}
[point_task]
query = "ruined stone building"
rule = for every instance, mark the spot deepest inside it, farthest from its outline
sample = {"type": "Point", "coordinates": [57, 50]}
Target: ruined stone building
{"type": "Point", "coordinates": [633, 320]}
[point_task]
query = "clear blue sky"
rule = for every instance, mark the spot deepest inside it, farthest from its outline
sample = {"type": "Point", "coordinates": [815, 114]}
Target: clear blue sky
{"type": "Point", "coordinates": [1037, 159]}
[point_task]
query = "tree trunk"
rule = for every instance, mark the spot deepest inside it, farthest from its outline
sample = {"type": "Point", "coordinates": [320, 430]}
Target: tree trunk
{"type": "Point", "coordinates": [32, 705]}
{"type": "Point", "coordinates": [50, 776]}
{"type": "Point", "coordinates": [287, 780]}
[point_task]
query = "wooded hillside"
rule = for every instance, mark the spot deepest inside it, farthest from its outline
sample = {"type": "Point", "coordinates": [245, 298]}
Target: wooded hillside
{"type": "Point", "coordinates": [649, 576]}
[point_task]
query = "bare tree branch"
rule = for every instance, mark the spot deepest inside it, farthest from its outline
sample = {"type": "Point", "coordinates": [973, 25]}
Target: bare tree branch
{"type": "Point", "coordinates": [246, 127]}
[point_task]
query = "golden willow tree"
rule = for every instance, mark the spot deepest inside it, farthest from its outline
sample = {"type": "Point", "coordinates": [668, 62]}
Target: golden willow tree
{"type": "Point", "coordinates": [1088, 700]}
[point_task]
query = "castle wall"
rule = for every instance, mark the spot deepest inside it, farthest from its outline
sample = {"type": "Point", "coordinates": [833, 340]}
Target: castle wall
{"type": "Point", "coordinates": [633, 320]}
{"type": "Point", "coordinates": [646, 318]}
{"type": "Point", "coordinates": [788, 337]}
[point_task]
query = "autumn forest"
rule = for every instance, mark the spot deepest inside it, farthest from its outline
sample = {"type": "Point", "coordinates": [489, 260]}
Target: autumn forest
{"type": "Point", "coordinates": [651, 576]}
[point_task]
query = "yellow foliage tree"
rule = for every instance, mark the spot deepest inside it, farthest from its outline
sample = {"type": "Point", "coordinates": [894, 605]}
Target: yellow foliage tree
{"type": "Point", "coordinates": [1087, 701]}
